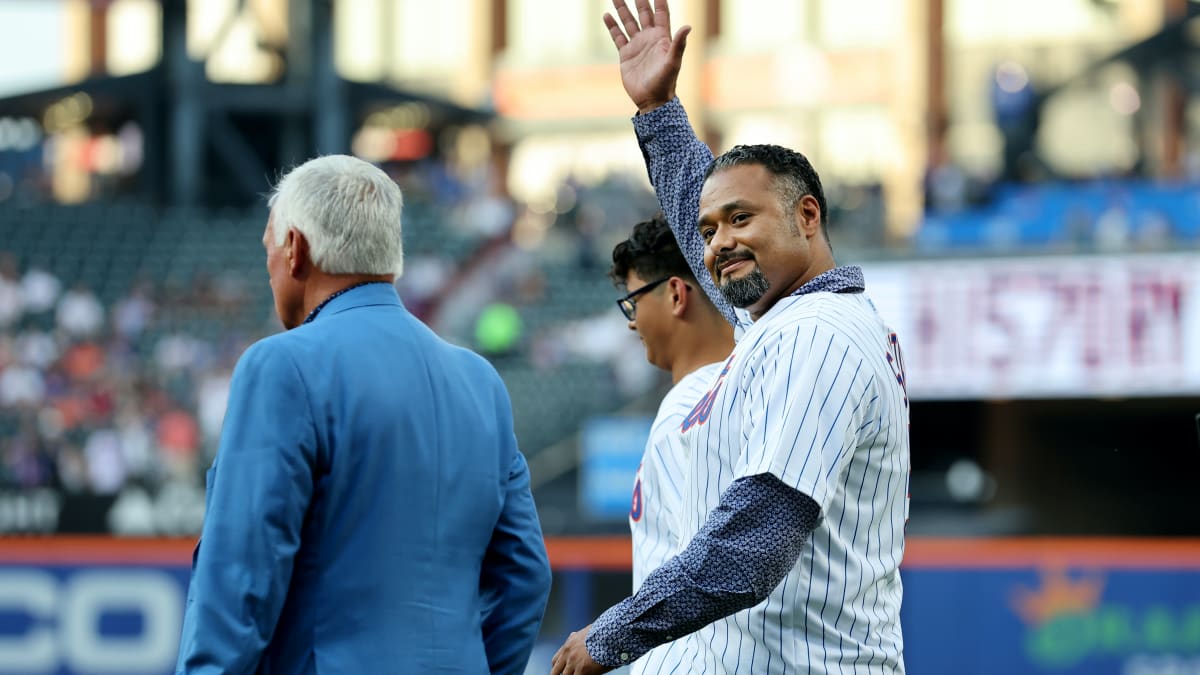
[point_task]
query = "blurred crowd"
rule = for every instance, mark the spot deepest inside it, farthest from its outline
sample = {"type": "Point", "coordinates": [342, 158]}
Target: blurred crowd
{"type": "Point", "coordinates": [99, 394]}
{"type": "Point", "coordinates": [95, 396]}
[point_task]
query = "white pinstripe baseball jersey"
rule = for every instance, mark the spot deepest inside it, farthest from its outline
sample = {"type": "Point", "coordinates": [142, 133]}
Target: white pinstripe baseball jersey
{"type": "Point", "coordinates": [658, 497]}
{"type": "Point", "coordinates": [813, 393]}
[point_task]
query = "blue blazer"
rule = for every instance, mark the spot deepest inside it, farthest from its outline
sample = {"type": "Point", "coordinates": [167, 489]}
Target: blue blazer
{"type": "Point", "coordinates": [368, 510]}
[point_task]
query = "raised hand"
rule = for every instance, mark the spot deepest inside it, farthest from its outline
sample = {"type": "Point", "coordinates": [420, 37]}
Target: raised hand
{"type": "Point", "coordinates": [650, 58]}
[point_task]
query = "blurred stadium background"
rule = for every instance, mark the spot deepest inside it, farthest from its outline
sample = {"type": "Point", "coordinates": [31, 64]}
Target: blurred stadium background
{"type": "Point", "coordinates": [1019, 180]}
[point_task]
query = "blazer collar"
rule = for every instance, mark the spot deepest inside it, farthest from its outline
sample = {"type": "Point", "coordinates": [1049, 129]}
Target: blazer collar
{"type": "Point", "coordinates": [362, 296]}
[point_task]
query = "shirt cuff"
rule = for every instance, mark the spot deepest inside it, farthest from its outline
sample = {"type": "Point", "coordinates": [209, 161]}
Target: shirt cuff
{"type": "Point", "coordinates": [608, 641]}
{"type": "Point", "coordinates": [669, 114]}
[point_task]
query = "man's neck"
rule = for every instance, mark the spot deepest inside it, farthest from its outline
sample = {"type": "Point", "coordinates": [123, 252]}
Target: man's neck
{"type": "Point", "coordinates": [711, 344]}
{"type": "Point", "coordinates": [320, 286]}
{"type": "Point", "coordinates": [820, 265]}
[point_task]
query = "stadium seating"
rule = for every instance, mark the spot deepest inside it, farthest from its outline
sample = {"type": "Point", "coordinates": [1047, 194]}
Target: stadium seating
{"type": "Point", "coordinates": [1104, 213]}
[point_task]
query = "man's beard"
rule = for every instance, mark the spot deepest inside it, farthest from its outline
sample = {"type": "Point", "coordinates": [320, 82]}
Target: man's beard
{"type": "Point", "coordinates": [747, 290]}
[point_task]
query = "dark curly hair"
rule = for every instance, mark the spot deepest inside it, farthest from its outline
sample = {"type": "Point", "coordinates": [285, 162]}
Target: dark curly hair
{"type": "Point", "coordinates": [794, 174]}
{"type": "Point", "coordinates": [652, 252]}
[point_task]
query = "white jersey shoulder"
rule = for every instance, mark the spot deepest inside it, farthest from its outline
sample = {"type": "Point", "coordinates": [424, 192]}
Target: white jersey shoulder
{"type": "Point", "coordinates": [813, 394]}
{"type": "Point", "coordinates": [658, 496]}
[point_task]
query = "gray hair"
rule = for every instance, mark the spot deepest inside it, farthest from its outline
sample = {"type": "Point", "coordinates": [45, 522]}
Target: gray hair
{"type": "Point", "coordinates": [347, 209]}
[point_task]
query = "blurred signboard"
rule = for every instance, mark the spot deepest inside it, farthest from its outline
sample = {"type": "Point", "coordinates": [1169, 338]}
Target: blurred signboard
{"type": "Point", "coordinates": [611, 449]}
{"type": "Point", "coordinates": [555, 92]}
{"type": "Point", "coordinates": [1053, 607]}
{"type": "Point", "coordinates": [62, 615]}
{"type": "Point", "coordinates": [1080, 326]}
{"type": "Point", "coordinates": [971, 606]}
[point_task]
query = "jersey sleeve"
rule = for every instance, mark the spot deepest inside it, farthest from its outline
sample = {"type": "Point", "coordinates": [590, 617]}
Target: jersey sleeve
{"type": "Point", "coordinates": [676, 161]}
{"type": "Point", "coordinates": [812, 392]}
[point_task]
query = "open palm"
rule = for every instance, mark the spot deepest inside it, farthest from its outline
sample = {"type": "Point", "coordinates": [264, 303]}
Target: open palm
{"type": "Point", "coordinates": [650, 58]}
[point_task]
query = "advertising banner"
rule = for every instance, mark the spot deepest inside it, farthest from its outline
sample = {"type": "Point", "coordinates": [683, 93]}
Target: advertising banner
{"type": "Point", "coordinates": [71, 607]}
{"type": "Point", "coordinates": [1079, 326]}
{"type": "Point", "coordinates": [1052, 607]}
{"type": "Point", "coordinates": [94, 606]}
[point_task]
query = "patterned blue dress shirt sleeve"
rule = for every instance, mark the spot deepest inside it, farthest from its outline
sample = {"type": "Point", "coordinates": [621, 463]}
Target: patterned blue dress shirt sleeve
{"type": "Point", "coordinates": [677, 161]}
{"type": "Point", "coordinates": [745, 548]}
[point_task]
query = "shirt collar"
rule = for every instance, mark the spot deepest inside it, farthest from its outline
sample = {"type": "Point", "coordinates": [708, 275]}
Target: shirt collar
{"type": "Point", "coordinates": [844, 279]}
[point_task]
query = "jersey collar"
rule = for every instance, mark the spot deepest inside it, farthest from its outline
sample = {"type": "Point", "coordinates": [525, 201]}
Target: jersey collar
{"type": "Point", "coordinates": [844, 279]}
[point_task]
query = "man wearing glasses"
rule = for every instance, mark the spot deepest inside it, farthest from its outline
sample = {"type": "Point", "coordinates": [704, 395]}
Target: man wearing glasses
{"type": "Point", "coordinates": [685, 334]}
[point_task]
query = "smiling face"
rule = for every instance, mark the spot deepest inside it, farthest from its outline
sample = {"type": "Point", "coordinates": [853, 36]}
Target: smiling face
{"type": "Point", "coordinates": [756, 248]}
{"type": "Point", "coordinates": [652, 320]}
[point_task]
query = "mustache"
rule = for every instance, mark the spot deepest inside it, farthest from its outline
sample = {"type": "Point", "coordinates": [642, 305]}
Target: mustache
{"type": "Point", "coordinates": [723, 258]}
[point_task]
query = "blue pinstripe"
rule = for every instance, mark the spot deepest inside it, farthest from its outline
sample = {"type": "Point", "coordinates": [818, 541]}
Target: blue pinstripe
{"type": "Point", "coordinates": [858, 405]}
{"type": "Point", "coordinates": [842, 407]}
{"type": "Point", "coordinates": [804, 418]}
{"type": "Point", "coordinates": [854, 537]}
{"type": "Point", "coordinates": [875, 605]}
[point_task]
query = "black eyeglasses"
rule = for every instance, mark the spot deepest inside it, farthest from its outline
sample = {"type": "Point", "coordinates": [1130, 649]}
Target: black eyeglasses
{"type": "Point", "coordinates": [627, 304]}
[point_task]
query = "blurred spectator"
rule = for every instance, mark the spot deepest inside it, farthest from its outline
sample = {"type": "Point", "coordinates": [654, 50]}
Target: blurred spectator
{"type": "Point", "coordinates": [489, 215]}
{"type": "Point", "coordinates": [36, 349]}
{"type": "Point", "coordinates": [21, 385]}
{"type": "Point", "coordinates": [945, 188]}
{"type": "Point", "coordinates": [1113, 229]}
{"type": "Point", "coordinates": [10, 291]}
{"type": "Point", "coordinates": [180, 352]}
{"type": "Point", "coordinates": [178, 440]}
{"type": "Point", "coordinates": [72, 469]}
{"type": "Point", "coordinates": [211, 397]}
{"type": "Point", "coordinates": [1154, 230]}
{"type": "Point", "coordinates": [83, 361]}
{"type": "Point", "coordinates": [424, 276]}
{"type": "Point", "coordinates": [24, 464]}
{"type": "Point", "coordinates": [136, 442]}
{"type": "Point", "coordinates": [105, 461]}
{"type": "Point", "coordinates": [133, 313]}
{"type": "Point", "coordinates": [80, 313]}
{"type": "Point", "coordinates": [39, 290]}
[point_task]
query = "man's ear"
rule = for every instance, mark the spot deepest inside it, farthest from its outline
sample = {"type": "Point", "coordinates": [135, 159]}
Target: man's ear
{"type": "Point", "coordinates": [298, 254]}
{"type": "Point", "coordinates": [678, 290]}
{"type": "Point", "coordinates": [807, 218]}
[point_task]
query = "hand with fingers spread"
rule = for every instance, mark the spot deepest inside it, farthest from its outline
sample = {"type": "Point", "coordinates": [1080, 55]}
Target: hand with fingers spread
{"type": "Point", "coordinates": [573, 657]}
{"type": "Point", "coordinates": [650, 57]}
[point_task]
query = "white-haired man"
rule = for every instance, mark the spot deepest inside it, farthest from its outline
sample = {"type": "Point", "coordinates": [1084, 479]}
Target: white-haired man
{"type": "Point", "coordinates": [368, 510]}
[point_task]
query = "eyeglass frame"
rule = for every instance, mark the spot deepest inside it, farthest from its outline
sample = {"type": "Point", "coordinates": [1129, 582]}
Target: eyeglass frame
{"type": "Point", "coordinates": [627, 305]}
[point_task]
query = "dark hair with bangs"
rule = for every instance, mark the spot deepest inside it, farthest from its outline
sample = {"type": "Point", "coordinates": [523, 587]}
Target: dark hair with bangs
{"type": "Point", "coordinates": [650, 251]}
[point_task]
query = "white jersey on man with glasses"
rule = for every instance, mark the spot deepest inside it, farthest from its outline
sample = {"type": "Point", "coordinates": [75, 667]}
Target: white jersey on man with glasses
{"type": "Point", "coordinates": [685, 335]}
